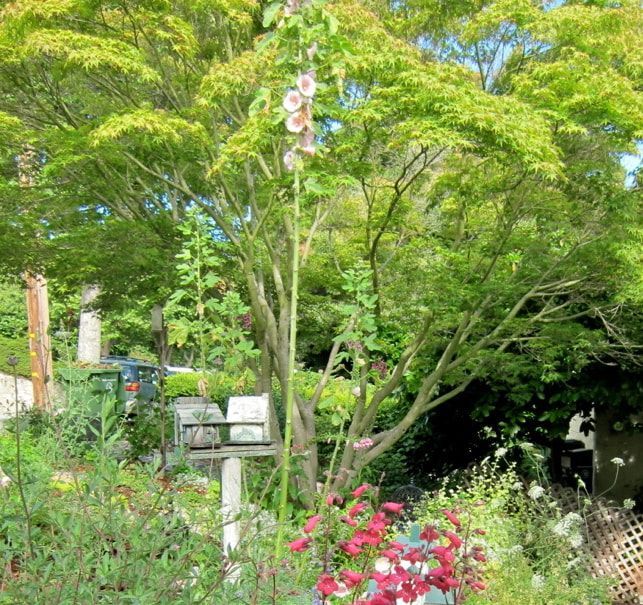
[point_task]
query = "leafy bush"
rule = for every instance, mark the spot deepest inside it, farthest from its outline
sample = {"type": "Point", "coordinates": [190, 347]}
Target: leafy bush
{"type": "Point", "coordinates": [13, 312]}
{"type": "Point", "coordinates": [219, 385]}
{"type": "Point", "coordinates": [18, 347]}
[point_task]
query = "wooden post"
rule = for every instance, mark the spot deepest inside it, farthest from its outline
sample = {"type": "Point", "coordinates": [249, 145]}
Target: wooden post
{"type": "Point", "coordinates": [230, 508]}
{"type": "Point", "coordinates": [89, 327]}
{"type": "Point", "coordinates": [37, 303]}
{"type": "Point", "coordinates": [39, 344]}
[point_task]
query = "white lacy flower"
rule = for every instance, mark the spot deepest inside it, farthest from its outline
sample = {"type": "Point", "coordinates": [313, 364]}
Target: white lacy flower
{"type": "Point", "coordinates": [629, 503]}
{"type": "Point", "coordinates": [500, 452]}
{"type": "Point", "coordinates": [516, 485]}
{"type": "Point", "coordinates": [576, 540]}
{"type": "Point", "coordinates": [536, 491]}
{"type": "Point", "coordinates": [537, 581]}
{"type": "Point", "coordinates": [306, 85]}
{"type": "Point", "coordinates": [292, 101]}
{"type": "Point", "coordinates": [618, 461]}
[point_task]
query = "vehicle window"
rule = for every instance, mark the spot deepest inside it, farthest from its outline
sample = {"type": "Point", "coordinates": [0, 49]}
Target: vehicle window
{"type": "Point", "coordinates": [146, 374]}
{"type": "Point", "coordinates": [129, 373]}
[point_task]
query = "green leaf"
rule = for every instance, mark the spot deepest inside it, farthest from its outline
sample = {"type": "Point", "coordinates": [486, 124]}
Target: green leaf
{"type": "Point", "coordinates": [270, 13]}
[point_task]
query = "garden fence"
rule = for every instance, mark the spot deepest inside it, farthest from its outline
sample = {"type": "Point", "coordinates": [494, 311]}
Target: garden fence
{"type": "Point", "coordinates": [614, 542]}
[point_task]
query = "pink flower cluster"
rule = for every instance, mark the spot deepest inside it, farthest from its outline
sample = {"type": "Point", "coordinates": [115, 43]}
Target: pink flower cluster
{"type": "Point", "coordinates": [363, 444]}
{"type": "Point", "coordinates": [381, 367]}
{"type": "Point", "coordinates": [446, 559]}
{"type": "Point", "coordinates": [298, 103]}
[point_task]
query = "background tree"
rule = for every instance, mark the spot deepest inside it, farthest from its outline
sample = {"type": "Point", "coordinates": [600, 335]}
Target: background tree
{"type": "Point", "coordinates": [474, 150]}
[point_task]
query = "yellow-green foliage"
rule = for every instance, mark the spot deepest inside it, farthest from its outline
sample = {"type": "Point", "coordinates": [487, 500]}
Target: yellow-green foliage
{"type": "Point", "coordinates": [90, 53]}
{"type": "Point", "coordinates": [155, 126]}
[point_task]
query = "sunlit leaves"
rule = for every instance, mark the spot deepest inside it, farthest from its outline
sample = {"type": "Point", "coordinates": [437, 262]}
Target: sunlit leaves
{"type": "Point", "coordinates": [90, 53]}
{"type": "Point", "coordinates": [154, 126]}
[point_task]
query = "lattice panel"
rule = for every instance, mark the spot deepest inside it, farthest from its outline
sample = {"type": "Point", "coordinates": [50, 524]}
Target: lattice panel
{"type": "Point", "coordinates": [615, 543]}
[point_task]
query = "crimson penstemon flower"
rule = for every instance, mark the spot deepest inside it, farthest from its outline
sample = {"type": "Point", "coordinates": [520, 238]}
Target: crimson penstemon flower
{"type": "Point", "coordinates": [353, 542]}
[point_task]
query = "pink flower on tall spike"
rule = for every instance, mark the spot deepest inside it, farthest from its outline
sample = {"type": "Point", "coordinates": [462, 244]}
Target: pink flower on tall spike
{"type": "Point", "coordinates": [352, 578]}
{"type": "Point", "coordinates": [306, 140]}
{"type": "Point", "coordinates": [306, 85]}
{"type": "Point", "coordinates": [453, 538]}
{"type": "Point", "coordinates": [451, 517]}
{"type": "Point", "coordinates": [350, 548]}
{"type": "Point", "coordinates": [292, 101]}
{"type": "Point", "coordinates": [327, 585]}
{"type": "Point", "coordinates": [299, 545]}
{"type": "Point", "coordinates": [296, 122]}
{"type": "Point", "coordinates": [312, 523]}
{"type": "Point", "coordinates": [357, 509]}
{"type": "Point", "coordinates": [356, 493]}
{"type": "Point", "coordinates": [392, 507]}
{"type": "Point", "coordinates": [334, 499]}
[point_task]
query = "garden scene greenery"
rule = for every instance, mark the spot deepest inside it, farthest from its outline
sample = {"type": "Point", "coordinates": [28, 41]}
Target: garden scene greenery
{"type": "Point", "coordinates": [414, 225]}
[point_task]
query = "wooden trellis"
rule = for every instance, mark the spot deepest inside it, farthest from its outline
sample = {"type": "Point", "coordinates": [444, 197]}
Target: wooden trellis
{"type": "Point", "coordinates": [615, 543]}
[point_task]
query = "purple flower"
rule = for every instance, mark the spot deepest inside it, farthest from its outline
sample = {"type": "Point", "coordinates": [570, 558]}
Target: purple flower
{"type": "Point", "coordinates": [363, 444]}
{"type": "Point", "coordinates": [290, 157]}
{"type": "Point", "coordinates": [354, 345]}
{"type": "Point", "coordinates": [246, 321]}
{"type": "Point", "coordinates": [381, 367]}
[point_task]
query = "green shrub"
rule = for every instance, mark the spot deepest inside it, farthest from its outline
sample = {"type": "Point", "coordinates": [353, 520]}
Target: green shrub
{"type": "Point", "coordinates": [219, 385]}
{"type": "Point", "coordinates": [18, 347]}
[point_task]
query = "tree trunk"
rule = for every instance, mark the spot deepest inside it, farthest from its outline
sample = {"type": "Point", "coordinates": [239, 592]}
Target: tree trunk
{"type": "Point", "coordinates": [89, 327]}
